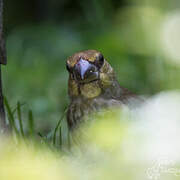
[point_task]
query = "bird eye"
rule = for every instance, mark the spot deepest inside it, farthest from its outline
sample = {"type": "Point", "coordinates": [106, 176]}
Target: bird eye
{"type": "Point", "coordinates": [100, 60]}
{"type": "Point", "coordinates": [68, 67]}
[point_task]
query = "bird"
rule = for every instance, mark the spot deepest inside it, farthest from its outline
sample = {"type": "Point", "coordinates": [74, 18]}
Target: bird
{"type": "Point", "coordinates": [92, 86]}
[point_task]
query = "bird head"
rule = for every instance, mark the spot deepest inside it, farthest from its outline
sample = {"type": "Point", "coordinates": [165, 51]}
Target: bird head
{"type": "Point", "coordinates": [89, 73]}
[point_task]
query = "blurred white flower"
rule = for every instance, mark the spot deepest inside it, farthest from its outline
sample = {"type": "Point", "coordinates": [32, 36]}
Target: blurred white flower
{"type": "Point", "coordinates": [160, 125]}
{"type": "Point", "coordinates": [170, 37]}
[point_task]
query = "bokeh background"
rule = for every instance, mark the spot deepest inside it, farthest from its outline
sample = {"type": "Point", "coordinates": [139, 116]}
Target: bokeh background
{"type": "Point", "coordinates": [140, 39]}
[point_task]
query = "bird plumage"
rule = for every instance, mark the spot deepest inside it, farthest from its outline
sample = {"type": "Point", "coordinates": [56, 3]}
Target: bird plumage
{"type": "Point", "coordinates": [92, 86]}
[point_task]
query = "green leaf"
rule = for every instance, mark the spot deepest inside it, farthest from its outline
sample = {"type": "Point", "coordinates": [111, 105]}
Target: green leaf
{"type": "Point", "coordinates": [20, 118]}
{"type": "Point", "coordinates": [11, 117]}
{"type": "Point", "coordinates": [57, 126]}
{"type": "Point", "coordinates": [31, 123]}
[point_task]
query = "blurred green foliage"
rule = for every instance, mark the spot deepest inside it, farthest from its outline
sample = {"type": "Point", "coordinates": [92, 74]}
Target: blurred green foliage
{"type": "Point", "coordinates": [140, 39]}
{"type": "Point", "coordinates": [42, 34]}
{"type": "Point", "coordinates": [119, 144]}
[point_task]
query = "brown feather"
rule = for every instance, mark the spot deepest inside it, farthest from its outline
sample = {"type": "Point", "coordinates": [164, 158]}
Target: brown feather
{"type": "Point", "coordinates": [87, 98]}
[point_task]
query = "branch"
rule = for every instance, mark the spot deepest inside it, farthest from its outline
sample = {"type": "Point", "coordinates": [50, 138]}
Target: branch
{"type": "Point", "coordinates": [3, 59]}
{"type": "Point", "coordinates": [3, 126]}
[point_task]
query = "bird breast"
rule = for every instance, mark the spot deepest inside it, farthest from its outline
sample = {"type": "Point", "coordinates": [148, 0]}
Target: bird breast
{"type": "Point", "coordinates": [80, 108]}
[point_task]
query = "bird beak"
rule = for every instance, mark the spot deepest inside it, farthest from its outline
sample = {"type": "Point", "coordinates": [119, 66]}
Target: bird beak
{"type": "Point", "coordinates": [82, 71]}
{"type": "Point", "coordinates": [81, 68]}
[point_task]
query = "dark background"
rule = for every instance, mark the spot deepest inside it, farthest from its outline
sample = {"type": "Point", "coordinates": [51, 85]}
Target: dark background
{"type": "Point", "coordinates": [41, 34]}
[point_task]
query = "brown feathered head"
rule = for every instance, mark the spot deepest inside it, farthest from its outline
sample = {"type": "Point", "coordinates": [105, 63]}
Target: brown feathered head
{"type": "Point", "coordinates": [92, 86]}
{"type": "Point", "coordinates": [89, 72]}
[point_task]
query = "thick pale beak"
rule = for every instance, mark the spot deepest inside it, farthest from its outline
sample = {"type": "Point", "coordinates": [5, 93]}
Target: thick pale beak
{"type": "Point", "coordinates": [81, 68]}
{"type": "Point", "coordinates": [85, 71]}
